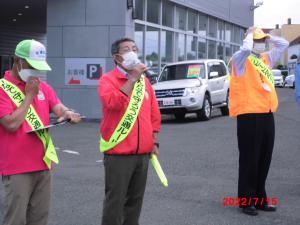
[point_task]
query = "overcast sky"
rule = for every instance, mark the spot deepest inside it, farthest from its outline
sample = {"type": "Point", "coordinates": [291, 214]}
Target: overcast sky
{"type": "Point", "coordinates": [276, 12]}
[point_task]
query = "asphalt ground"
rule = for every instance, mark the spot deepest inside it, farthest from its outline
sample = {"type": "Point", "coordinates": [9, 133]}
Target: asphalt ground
{"type": "Point", "coordinates": [200, 160]}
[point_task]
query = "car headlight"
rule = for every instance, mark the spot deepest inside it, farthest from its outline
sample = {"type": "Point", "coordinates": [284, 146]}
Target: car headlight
{"type": "Point", "coordinates": [191, 90]}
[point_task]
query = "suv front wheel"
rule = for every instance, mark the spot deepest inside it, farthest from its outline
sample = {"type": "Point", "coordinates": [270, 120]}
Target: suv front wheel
{"type": "Point", "coordinates": [205, 113]}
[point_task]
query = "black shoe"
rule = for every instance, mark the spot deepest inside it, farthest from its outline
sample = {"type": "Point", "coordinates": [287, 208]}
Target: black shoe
{"type": "Point", "coordinates": [267, 208]}
{"type": "Point", "coordinates": [250, 210]}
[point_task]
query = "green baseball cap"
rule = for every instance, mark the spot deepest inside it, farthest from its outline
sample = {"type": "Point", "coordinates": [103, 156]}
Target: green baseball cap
{"type": "Point", "coordinates": [34, 53]}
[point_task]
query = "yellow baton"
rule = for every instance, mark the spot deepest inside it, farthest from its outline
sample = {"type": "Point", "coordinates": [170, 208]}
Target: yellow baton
{"type": "Point", "coordinates": [158, 169]}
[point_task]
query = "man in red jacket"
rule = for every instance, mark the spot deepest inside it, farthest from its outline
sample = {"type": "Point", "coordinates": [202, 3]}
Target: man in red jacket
{"type": "Point", "coordinates": [129, 134]}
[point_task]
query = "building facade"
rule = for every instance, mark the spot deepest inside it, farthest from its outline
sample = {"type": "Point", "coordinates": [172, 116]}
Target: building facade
{"type": "Point", "coordinates": [290, 32]}
{"type": "Point", "coordinates": [79, 34]}
{"type": "Point", "coordinates": [168, 31]}
{"type": "Point", "coordinates": [293, 54]}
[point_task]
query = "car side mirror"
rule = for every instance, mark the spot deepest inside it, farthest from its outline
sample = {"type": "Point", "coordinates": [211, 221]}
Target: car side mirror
{"type": "Point", "coordinates": [213, 74]}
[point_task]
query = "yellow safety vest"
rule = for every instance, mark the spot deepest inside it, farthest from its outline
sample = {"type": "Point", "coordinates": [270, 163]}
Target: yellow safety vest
{"type": "Point", "coordinates": [262, 68]}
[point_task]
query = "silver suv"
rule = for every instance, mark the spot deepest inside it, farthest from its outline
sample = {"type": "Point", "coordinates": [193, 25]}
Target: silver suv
{"type": "Point", "coordinates": [193, 87]}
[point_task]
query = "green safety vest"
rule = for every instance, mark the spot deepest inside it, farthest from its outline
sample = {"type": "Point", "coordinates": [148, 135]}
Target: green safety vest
{"type": "Point", "coordinates": [33, 120]}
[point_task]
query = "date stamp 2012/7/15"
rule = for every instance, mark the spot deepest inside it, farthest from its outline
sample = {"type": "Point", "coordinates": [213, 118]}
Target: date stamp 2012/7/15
{"type": "Point", "coordinates": [244, 202]}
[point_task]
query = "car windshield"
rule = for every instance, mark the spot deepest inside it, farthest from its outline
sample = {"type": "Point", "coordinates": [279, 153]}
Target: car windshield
{"type": "Point", "coordinates": [183, 71]}
{"type": "Point", "coordinates": [276, 73]}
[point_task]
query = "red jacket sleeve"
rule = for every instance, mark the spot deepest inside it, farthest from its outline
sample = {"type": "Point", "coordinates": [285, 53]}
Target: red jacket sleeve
{"type": "Point", "coordinates": [110, 95]}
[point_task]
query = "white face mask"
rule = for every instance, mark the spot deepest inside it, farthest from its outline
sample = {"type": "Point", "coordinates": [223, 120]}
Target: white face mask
{"type": "Point", "coordinates": [259, 47]}
{"type": "Point", "coordinates": [130, 59]}
{"type": "Point", "coordinates": [26, 73]}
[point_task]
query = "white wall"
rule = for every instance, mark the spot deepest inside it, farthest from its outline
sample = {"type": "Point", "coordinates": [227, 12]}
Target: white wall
{"type": "Point", "coordinates": [293, 50]}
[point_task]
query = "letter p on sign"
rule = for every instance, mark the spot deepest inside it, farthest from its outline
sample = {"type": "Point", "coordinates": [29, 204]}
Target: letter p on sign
{"type": "Point", "coordinates": [94, 71]}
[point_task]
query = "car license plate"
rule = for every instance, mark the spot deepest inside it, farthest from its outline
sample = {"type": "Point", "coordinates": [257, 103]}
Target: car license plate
{"type": "Point", "coordinates": [168, 102]}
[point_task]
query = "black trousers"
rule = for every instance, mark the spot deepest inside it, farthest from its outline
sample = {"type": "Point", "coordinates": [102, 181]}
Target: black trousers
{"type": "Point", "coordinates": [125, 182]}
{"type": "Point", "coordinates": [256, 133]}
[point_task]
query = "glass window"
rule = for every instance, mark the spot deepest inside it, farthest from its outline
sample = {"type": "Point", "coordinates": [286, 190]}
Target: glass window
{"type": "Point", "coordinates": [224, 70]}
{"type": "Point", "coordinates": [166, 48]}
{"type": "Point", "coordinates": [212, 49]}
{"type": "Point", "coordinates": [242, 35]}
{"type": "Point", "coordinates": [139, 9]}
{"type": "Point", "coordinates": [192, 22]}
{"type": "Point", "coordinates": [221, 27]}
{"type": "Point", "coordinates": [232, 33]}
{"type": "Point", "coordinates": [236, 34]}
{"type": "Point", "coordinates": [235, 49]}
{"type": "Point", "coordinates": [228, 32]}
{"type": "Point", "coordinates": [153, 11]}
{"type": "Point", "coordinates": [217, 67]}
{"type": "Point", "coordinates": [212, 30]}
{"type": "Point", "coordinates": [151, 48]}
{"type": "Point", "coordinates": [220, 51]}
{"type": "Point", "coordinates": [183, 71]}
{"type": "Point", "coordinates": [180, 47]}
{"type": "Point", "coordinates": [202, 24]}
{"type": "Point", "coordinates": [201, 48]}
{"type": "Point", "coordinates": [191, 47]}
{"type": "Point", "coordinates": [180, 20]}
{"type": "Point", "coordinates": [233, 36]}
{"type": "Point", "coordinates": [138, 38]}
{"type": "Point", "coordinates": [167, 15]}
{"type": "Point", "coordinates": [228, 52]}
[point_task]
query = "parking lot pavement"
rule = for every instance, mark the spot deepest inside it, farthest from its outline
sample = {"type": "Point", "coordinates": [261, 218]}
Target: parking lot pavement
{"type": "Point", "coordinates": [200, 160]}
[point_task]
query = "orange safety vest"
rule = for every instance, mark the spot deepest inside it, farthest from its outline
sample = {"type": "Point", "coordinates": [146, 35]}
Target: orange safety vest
{"type": "Point", "coordinates": [247, 94]}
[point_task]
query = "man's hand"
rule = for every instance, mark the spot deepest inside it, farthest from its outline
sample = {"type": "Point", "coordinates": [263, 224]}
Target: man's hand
{"type": "Point", "coordinates": [133, 75]}
{"type": "Point", "coordinates": [32, 87]}
{"type": "Point", "coordinates": [13, 121]}
{"type": "Point", "coordinates": [136, 72]}
{"type": "Point", "coordinates": [71, 116]}
{"type": "Point", "coordinates": [155, 150]}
